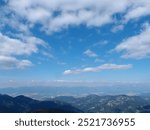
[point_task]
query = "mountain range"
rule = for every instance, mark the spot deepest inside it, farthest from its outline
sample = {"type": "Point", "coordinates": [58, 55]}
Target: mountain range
{"type": "Point", "coordinates": [109, 103]}
{"type": "Point", "coordinates": [22, 104]}
{"type": "Point", "coordinates": [70, 104]}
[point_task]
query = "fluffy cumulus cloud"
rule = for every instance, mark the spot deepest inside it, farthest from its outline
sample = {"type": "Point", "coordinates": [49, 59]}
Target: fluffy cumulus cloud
{"type": "Point", "coordinates": [55, 15]}
{"type": "Point", "coordinates": [13, 47]}
{"type": "Point", "coordinates": [23, 46]}
{"type": "Point", "coordinates": [136, 47]}
{"type": "Point", "coordinates": [138, 8]}
{"type": "Point", "coordinates": [98, 68]}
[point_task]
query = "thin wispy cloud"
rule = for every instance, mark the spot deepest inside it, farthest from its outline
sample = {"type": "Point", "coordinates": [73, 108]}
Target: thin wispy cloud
{"type": "Point", "coordinates": [90, 54]}
{"type": "Point", "coordinates": [98, 68]}
{"type": "Point", "coordinates": [117, 28]}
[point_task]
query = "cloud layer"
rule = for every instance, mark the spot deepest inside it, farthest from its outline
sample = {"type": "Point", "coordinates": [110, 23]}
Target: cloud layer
{"type": "Point", "coordinates": [99, 68]}
{"type": "Point", "coordinates": [56, 15]}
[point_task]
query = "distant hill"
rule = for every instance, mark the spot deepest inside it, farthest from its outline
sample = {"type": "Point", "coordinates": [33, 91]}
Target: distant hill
{"type": "Point", "coordinates": [22, 104]}
{"type": "Point", "coordinates": [109, 104]}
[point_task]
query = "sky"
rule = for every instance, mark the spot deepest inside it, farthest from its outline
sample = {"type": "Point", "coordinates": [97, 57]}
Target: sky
{"type": "Point", "coordinates": [45, 41]}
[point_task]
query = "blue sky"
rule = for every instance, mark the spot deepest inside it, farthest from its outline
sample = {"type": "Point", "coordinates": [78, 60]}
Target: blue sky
{"type": "Point", "coordinates": [74, 41]}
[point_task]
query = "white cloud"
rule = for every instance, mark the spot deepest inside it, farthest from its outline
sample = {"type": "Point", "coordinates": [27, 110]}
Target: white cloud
{"type": "Point", "coordinates": [7, 62]}
{"type": "Point", "coordinates": [20, 46]}
{"type": "Point", "coordinates": [99, 68]}
{"type": "Point", "coordinates": [136, 47]}
{"type": "Point", "coordinates": [40, 14]}
{"type": "Point", "coordinates": [55, 15]}
{"type": "Point", "coordinates": [23, 46]}
{"type": "Point", "coordinates": [90, 53]}
{"type": "Point", "coordinates": [138, 8]}
{"type": "Point", "coordinates": [9, 19]}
